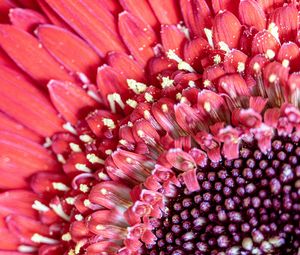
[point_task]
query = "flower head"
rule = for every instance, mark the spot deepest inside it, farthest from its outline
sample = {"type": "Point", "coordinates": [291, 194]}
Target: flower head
{"type": "Point", "coordinates": [170, 127]}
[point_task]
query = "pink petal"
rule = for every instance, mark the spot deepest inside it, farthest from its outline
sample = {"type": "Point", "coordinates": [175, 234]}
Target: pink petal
{"type": "Point", "coordinates": [70, 100]}
{"type": "Point", "coordinates": [142, 10]}
{"type": "Point", "coordinates": [138, 38]}
{"type": "Point", "coordinates": [197, 20]}
{"type": "Point", "coordinates": [13, 150]}
{"type": "Point", "coordinates": [252, 14]}
{"type": "Point", "coordinates": [52, 16]}
{"type": "Point", "coordinates": [8, 124]}
{"type": "Point", "coordinates": [270, 5]}
{"type": "Point", "coordinates": [111, 5]}
{"type": "Point", "coordinates": [69, 50]}
{"type": "Point", "coordinates": [227, 29]}
{"type": "Point", "coordinates": [23, 102]}
{"type": "Point", "coordinates": [172, 39]}
{"type": "Point", "coordinates": [33, 58]}
{"type": "Point", "coordinates": [264, 42]}
{"type": "Point", "coordinates": [26, 19]}
{"type": "Point", "coordinates": [167, 12]}
{"type": "Point", "coordinates": [126, 66]}
{"type": "Point", "coordinates": [91, 27]}
{"type": "Point", "coordinates": [18, 202]}
{"type": "Point", "coordinates": [222, 5]}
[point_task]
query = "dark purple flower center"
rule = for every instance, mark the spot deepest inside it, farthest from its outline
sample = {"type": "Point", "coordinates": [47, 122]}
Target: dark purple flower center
{"type": "Point", "coordinates": [250, 204]}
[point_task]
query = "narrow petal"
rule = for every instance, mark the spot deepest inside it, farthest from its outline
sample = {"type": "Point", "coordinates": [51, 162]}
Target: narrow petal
{"type": "Point", "coordinates": [252, 14]}
{"type": "Point", "coordinates": [33, 58]}
{"type": "Point", "coordinates": [13, 150]}
{"type": "Point", "coordinates": [52, 16]}
{"type": "Point", "coordinates": [18, 202]}
{"type": "Point", "coordinates": [264, 42]}
{"type": "Point", "coordinates": [167, 12]}
{"type": "Point", "coordinates": [287, 20]}
{"type": "Point", "coordinates": [8, 124]}
{"type": "Point", "coordinates": [92, 28]}
{"type": "Point", "coordinates": [24, 103]}
{"type": "Point", "coordinates": [111, 5]}
{"type": "Point", "coordinates": [69, 50]}
{"type": "Point", "coordinates": [198, 20]}
{"type": "Point", "coordinates": [226, 29]}
{"type": "Point", "coordinates": [142, 10]}
{"type": "Point", "coordinates": [26, 19]}
{"type": "Point", "coordinates": [70, 100]}
{"type": "Point", "coordinates": [126, 66]}
{"type": "Point", "coordinates": [270, 5]}
{"type": "Point", "coordinates": [138, 38]}
{"type": "Point", "coordinates": [172, 39]}
{"type": "Point", "coordinates": [222, 5]}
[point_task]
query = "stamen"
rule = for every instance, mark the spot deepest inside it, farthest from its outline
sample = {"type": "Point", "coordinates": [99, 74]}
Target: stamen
{"type": "Point", "coordinates": [68, 126]}
{"type": "Point", "coordinates": [37, 205]}
{"type": "Point", "coordinates": [86, 138]}
{"type": "Point", "coordinates": [132, 103]}
{"type": "Point", "coordinates": [75, 147]}
{"type": "Point", "coordinates": [83, 168]}
{"type": "Point", "coordinates": [66, 237]}
{"type": "Point", "coordinates": [113, 99]}
{"type": "Point", "coordinates": [60, 186]}
{"type": "Point", "coordinates": [37, 238]}
{"type": "Point", "coordinates": [166, 82]}
{"type": "Point", "coordinates": [109, 123]}
{"type": "Point", "coordinates": [94, 159]}
{"type": "Point", "coordinates": [137, 87]}
{"type": "Point", "coordinates": [57, 208]}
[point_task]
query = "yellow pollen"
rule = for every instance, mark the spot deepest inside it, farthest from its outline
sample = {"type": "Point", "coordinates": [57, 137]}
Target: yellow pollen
{"type": "Point", "coordinates": [164, 108]}
{"type": "Point", "coordinates": [207, 83]}
{"type": "Point", "coordinates": [207, 106]}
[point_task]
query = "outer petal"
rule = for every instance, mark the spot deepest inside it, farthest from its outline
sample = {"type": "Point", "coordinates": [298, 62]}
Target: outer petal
{"type": "Point", "coordinates": [70, 100]}
{"type": "Point", "coordinates": [166, 11]}
{"type": "Point", "coordinates": [23, 102]}
{"type": "Point", "coordinates": [33, 58]}
{"type": "Point", "coordinates": [69, 49]}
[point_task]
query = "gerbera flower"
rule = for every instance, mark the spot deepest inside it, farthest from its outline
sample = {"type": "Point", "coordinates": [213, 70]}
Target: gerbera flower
{"type": "Point", "coordinates": [149, 127]}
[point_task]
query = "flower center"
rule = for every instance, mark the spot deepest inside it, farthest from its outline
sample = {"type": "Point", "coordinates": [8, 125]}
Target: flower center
{"type": "Point", "coordinates": [247, 204]}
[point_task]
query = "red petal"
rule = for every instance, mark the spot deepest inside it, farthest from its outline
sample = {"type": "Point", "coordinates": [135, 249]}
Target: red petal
{"type": "Point", "coordinates": [5, 5]}
{"type": "Point", "coordinates": [234, 85]}
{"type": "Point", "coordinates": [172, 39]}
{"type": "Point", "coordinates": [18, 202]}
{"type": "Point", "coordinates": [33, 58]}
{"type": "Point", "coordinates": [26, 19]}
{"type": "Point", "coordinates": [126, 66]}
{"type": "Point", "coordinates": [287, 20]}
{"type": "Point", "coordinates": [196, 15]}
{"type": "Point", "coordinates": [52, 16]}
{"type": "Point", "coordinates": [111, 5]}
{"type": "Point", "coordinates": [142, 10]}
{"type": "Point", "coordinates": [8, 124]}
{"type": "Point", "coordinates": [109, 81]}
{"type": "Point", "coordinates": [21, 101]}
{"type": "Point", "coordinates": [138, 38]}
{"type": "Point", "coordinates": [194, 51]}
{"type": "Point", "coordinates": [264, 42]}
{"type": "Point", "coordinates": [190, 180]}
{"type": "Point", "coordinates": [270, 5]}
{"type": "Point", "coordinates": [92, 28]}
{"type": "Point", "coordinates": [70, 100]}
{"type": "Point", "coordinates": [227, 29]}
{"type": "Point", "coordinates": [251, 14]}
{"type": "Point", "coordinates": [235, 61]}
{"type": "Point", "coordinates": [222, 5]}
{"type": "Point", "coordinates": [166, 11]}
{"type": "Point", "coordinates": [69, 49]}
{"type": "Point", "coordinates": [13, 150]}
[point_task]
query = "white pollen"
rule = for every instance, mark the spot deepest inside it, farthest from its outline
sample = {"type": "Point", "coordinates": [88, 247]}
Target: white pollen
{"type": "Point", "coordinates": [273, 29]}
{"type": "Point", "coordinates": [207, 83]}
{"type": "Point", "coordinates": [84, 188]}
{"type": "Point", "coordinates": [109, 123]}
{"type": "Point", "coordinates": [178, 96]}
{"type": "Point", "coordinates": [137, 87]}
{"type": "Point", "coordinates": [148, 97]}
{"type": "Point", "coordinates": [140, 133]}
{"type": "Point", "coordinates": [57, 208]}
{"type": "Point", "coordinates": [103, 191]}
{"type": "Point", "coordinates": [270, 54]}
{"type": "Point", "coordinates": [272, 78]}
{"type": "Point", "coordinates": [37, 205]}
{"type": "Point", "coordinates": [100, 227]}
{"type": "Point", "coordinates": [182, 65]}
{"type": "Point", "coordinates": [37, 238]}
{"type": "Point", "coordinates": [207, 106]}
{"type": "Point", "coordinates": [48, 142]}
{"type": "Point", "coordinates": [82, 167]}
{"type": "Point", "coordinates": [123, 142]}
{"type": "Point", "coordinates": [75, 147]}
{"type": "Point", "coordinates": [68, 126]}
{"type": "Point", "coordinates": [209, 36]}
{"type": "Point", "coordinates": [256, 67]}
{"type": "Point", "coordinates": [103, 176]}
{"type": "Point", "coordinates": [285, 63]}
{"type": "Point", "coordinates": [241, 67]}
{"type": "Point", "coordinates": [27, 249]}
{"type": "Point", "coordinates": [70, 200]}
{"type": "Point", "coordinates": [164, 108]}
{"type": "Point", "coordinates": [60, 186]}
{"type": "Point", "coordinates": [147, 114]}
{"type": "Point", "coordinates": [132, 103]}
{"type": "Point", "coordinates": [87, 203]}
{"type": "Point", "coordinates": [217, 59]}
{"type": "Point", "coordinates": [86, 138]}
{"type": "Point", "coordinates": [224, 47]}
{"type": "Point", "coordinates": [192, 84]}
{"type": "Point", "coordinates": [113, 99]}
{"type": "Point", "coordinates": [78, 217]}
{"type": "Point", "coordinates": [166, 82]}
{"type": "Point", "coordinates": [94, 159]}
{"type": "Point", "coordinates": [108, 152]}
{"type": "Point", "coordinates": [61, 159]}
{"type": "Point", "coordinates": [66, 237]}
{"type": "Point", "coordinates": [247, 243]}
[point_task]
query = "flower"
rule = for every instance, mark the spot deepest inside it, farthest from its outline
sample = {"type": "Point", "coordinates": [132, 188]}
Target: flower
{"type": "Point", "coordinates": [177, 132]}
